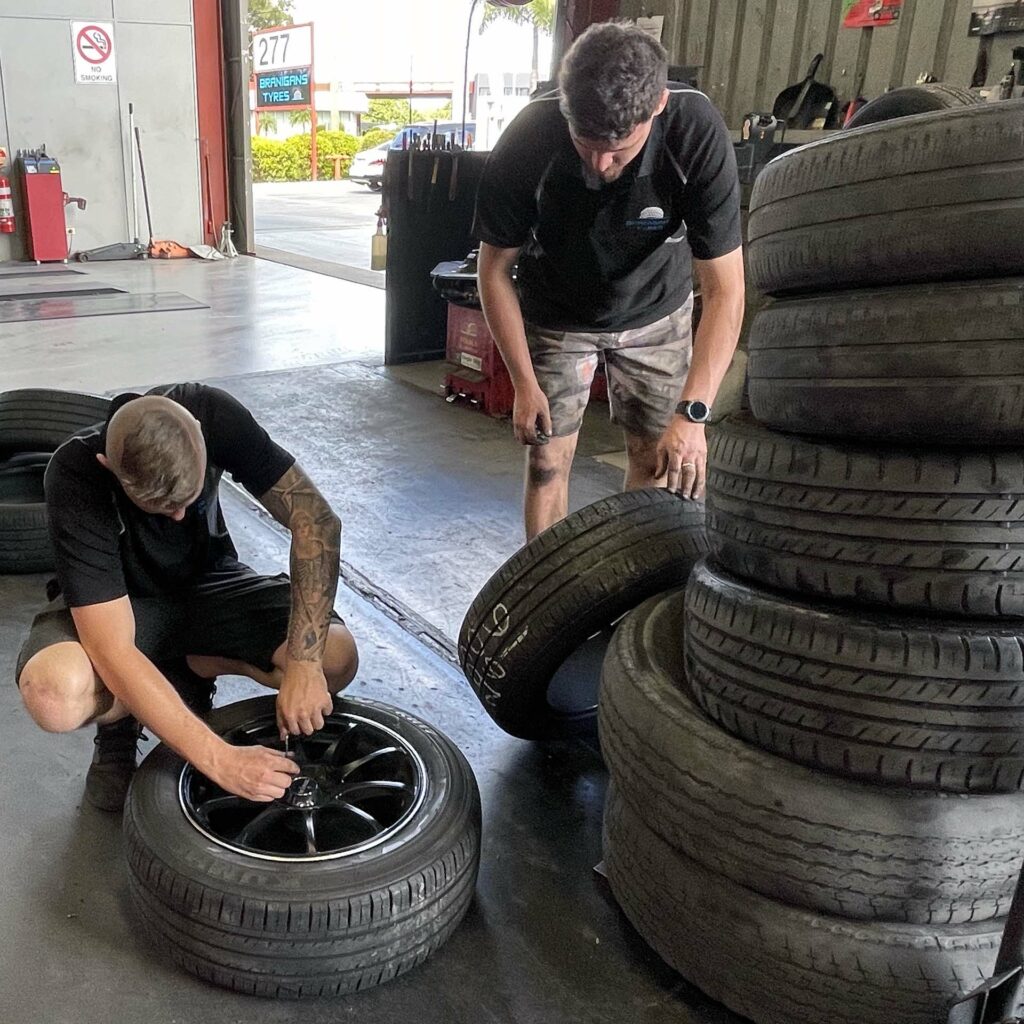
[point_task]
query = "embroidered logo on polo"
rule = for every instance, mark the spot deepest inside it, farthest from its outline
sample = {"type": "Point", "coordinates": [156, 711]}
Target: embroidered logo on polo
{"type": "Point", "coordinates": [652, 218]}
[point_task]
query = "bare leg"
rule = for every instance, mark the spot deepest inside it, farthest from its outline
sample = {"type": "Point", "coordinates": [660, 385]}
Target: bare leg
{"type": "Point", "coordinates": [642, 454]}
{"type": "Point", "coordinates": [341, 659]}
{"type": "Point", "coordinates": [62, 692]}
{"type": "Point", "coordinates": [547, 483]}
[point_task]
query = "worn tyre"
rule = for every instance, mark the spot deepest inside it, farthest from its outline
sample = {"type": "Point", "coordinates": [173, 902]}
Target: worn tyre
{"type": "Point", "coordinates": [776, 964]}
{"type": "Point", "coordinates": [274, 926]}
{"type": "Point", "coordinates": [924, 364]}
{"type": "Point", "coordinates": [928, 530]}
{"type": "Point", "coordinates": [24, 539]}
{"type": "Point", "coordinates": [41, 419]}
{"type": "Point", "coordinates": [931, 703]}
{"type": "Point", "coordinates": [914, 99]}
{"type": "Point", "coordinates": [572, 583]}
{"type": "Point", "coordinates": [791, 833]}
{"type": "Point", "coordinates": [934, 197]}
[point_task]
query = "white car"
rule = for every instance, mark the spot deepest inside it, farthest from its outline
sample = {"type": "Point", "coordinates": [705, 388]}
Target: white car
{"type": "Point", "coordinates": [368, 166]}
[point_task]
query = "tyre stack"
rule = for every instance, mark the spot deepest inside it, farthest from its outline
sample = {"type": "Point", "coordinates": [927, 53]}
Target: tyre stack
{"type": "Point", "coordinates": [34, 422]}
{"type": "Point", "coordinates": [816, 809]}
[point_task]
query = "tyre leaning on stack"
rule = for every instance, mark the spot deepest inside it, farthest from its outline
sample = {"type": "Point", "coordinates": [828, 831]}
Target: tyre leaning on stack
{"type": "Point", "coordinates": [859, 617]}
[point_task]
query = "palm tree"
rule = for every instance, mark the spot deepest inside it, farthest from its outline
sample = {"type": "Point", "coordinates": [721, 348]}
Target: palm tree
{"type": "Point", "coordinates": [265, 124]}
{"type": "Point", "coordinates": [538, 13]}
{"type": "Point", "coordinates": [301, 118]}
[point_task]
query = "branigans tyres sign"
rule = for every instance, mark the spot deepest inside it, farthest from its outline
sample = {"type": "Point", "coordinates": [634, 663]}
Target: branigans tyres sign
{"type": "Point", "coordinates": [286, 88]}
{"type": "Point", "coordinates": [92, 47]}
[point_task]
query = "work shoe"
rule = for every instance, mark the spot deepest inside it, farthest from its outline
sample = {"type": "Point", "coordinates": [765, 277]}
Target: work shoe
{"type": "Point", "coordinates": [113, 764]}
{"type": "Point", "coordinates": [195, 691]}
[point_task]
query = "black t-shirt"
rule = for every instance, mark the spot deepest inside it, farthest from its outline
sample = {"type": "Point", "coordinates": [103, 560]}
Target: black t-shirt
{"type": "Point", "coordinates": [614, 256]}
{"type": "Point", "coordinates": [107, 547]}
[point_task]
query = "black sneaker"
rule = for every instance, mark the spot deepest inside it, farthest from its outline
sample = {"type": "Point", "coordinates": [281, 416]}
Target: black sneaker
{"type": "Point", "coordinates": [113, 764]}
{"type": "Point", "coordinates": [196, 692]}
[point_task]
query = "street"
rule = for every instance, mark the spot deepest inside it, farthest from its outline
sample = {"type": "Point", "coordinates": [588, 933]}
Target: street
{"type": "Point", "coordinates": [324, 220]}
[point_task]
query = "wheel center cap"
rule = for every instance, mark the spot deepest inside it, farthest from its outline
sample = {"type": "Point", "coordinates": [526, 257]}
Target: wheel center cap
{"type": "Point", "coordinates": [304, 793]}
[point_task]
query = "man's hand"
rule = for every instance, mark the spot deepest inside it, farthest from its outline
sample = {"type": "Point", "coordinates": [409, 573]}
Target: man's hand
{"type": "Point", "coordinates": [683, 455]}
{"type": "Point", "coordinates": [531, 415]}
{"type": "Point", "coordinates": [304, 699]}
{"type": "Point", "coordinates": [255, 773]}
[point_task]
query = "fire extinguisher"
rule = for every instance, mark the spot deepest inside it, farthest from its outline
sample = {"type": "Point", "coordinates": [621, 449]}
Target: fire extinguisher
{"type": "Point", "coordinates": [7, 223]}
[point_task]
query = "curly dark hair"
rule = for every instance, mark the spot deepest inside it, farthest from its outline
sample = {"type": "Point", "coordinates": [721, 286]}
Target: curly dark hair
{"type": "Point", "coordinates": [611, 80]}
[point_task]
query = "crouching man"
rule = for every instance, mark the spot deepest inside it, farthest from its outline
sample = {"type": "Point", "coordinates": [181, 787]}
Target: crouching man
{"type": "Point", "coordinates": [150, 602]}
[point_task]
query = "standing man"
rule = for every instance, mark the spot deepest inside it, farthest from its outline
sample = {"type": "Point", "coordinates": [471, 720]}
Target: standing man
{"type": "Point", "coordinates": [600, 193]}
{"type": "Point", "coordinates": [149, 589]}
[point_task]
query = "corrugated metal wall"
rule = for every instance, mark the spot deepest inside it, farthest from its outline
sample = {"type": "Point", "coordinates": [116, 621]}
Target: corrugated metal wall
{"type": "Point", "coordinates": [750, 50]}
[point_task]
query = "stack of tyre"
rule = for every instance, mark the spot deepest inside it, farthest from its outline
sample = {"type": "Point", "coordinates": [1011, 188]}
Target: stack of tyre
{"type": "Point", "coordinates": [817, 749]}
{"type": "Point", "coordinates": [34, 422]}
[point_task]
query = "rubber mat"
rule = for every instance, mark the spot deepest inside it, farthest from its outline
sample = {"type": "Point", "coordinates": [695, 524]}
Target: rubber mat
{"type": "Point", "coordinates": [73, 306]}
{"type": "Point", "coordinates": [13, 293]}
{"type": "Point", "coordinates": [18, 271]}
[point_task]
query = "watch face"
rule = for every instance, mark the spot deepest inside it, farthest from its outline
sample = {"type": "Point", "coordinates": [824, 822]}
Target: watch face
{"type": "Point", "coordinates": [699, 412]}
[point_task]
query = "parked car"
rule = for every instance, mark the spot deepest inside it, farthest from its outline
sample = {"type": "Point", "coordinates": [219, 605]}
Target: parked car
{"type": "Point", "coordinates": [368, 166]}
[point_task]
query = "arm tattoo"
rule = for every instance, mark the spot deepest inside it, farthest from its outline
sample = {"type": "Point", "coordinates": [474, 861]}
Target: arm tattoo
{"type": "Point", "coordinates": [295, 503]}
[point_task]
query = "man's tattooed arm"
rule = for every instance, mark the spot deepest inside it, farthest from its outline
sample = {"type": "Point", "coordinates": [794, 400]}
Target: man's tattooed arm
{"type": "Point", "coordinates": [295, 503]}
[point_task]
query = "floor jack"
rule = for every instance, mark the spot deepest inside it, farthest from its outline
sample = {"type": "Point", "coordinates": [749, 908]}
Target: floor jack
{"type": "Point", "coordinates": [136, 249]}
{"type": "Point", "coordinates": [998, 1000]}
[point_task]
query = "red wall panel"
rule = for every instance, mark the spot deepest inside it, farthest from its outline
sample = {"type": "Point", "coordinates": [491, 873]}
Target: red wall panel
{"type": "Point", "coordinates": [212, 122]}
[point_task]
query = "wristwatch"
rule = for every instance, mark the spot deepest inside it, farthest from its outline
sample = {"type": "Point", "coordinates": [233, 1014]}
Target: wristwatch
{"type": "Point", "coordinates": [695, 412]}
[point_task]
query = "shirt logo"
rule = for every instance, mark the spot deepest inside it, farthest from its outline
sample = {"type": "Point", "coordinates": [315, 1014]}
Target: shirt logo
{"type": "Point", "coordinates": [652, 218]}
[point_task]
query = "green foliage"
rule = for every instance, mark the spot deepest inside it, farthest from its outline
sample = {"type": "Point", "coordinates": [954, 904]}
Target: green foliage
{"type": "Point", "coordinates": [440, 114]}
{"type": "Point", "coordinates": [266, 124]}
{"type": "Point", "coordinates": [389, 112]}
{"type": "Point", "coordinates": [270, 13]}
{"type": "Point", "coordinates": [300, 118]}
{"type": "Point", "coordinates": [289, 160]}
{"type": "Point", "coordinates": [375, 137]}
{"type": "Point", "coordinates": [539, 13]}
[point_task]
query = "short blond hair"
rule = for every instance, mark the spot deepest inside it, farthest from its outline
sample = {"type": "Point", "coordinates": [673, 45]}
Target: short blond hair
{"type": "Point", "coordinates": [156, 456]}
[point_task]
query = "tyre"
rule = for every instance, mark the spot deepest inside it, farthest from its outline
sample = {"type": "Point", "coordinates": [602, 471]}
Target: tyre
{"type": "Point", "coordinates": [362, 871]}
{"type": "Point", "coordinates": [533, 640]}
{"type": "Point", "coordinates": [931, 198]}
{"type": "Point", "coordinates": [914, 99]}
{"type": "Point", "coordinates": [39, 419]}
{"type": "Point", "coordinates": [795, 835]}
{"type": "Point", "coordinates": [24, 540]}
{"type": "Point", "coordinates": [924, 364]}
{"type": "Point", "coordinates": [905, 529]}
{"type": "Point", "coordinates": [777, 964]}
{"type": "Point", "coordinates": [928, 703]}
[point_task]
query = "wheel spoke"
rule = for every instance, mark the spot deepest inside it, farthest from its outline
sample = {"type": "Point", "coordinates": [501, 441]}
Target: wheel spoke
{"type": "Point", "coordinates": [354, 791]}
{"type": "Point", "coordinates": [330, 755]}
{"type": "Point", "coordinates": [346, 770]}
{"type": "Point", "coordinates": [259, 823]}
{"type": "Point", "coordinates": [310, 829]}
{"type": "Point", "coordinates": [219, 803]}
{"type": "Point", "coordinates": [357, 812]}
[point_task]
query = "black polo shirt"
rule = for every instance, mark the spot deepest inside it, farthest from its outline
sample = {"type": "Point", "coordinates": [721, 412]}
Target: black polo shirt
{"type": "Point", "coordinates": [107, 547]}
{"type": "Point", "coordinates": [608, 257]}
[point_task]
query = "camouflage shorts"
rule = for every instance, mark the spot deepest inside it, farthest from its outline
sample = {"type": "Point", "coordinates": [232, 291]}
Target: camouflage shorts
{"type": "Point", "coordinates": [646, 368]}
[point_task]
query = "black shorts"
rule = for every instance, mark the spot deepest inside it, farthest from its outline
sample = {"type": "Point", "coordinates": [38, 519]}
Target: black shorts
{"type": "Point", "coordinates": [233, 613]}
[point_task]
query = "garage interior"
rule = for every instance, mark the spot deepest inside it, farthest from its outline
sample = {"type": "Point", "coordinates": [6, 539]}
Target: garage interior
{"type": "Point", "coordinates": [429, 492]}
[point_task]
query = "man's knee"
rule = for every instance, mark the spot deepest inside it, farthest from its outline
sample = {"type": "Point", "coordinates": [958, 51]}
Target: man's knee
{"type": "Point", "coordinates": [547, 466]}
{"type": "Point", "coordinates": [58, 687]}
{"type": "Point", "coordinates": [341, 658]}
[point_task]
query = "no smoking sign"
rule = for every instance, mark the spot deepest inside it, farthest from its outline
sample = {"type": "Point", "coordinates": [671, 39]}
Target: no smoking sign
{"type": "Point", "coordinates": [92, 45]}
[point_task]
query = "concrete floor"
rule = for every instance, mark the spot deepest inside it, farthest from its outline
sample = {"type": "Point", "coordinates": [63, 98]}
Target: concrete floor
{"type": "Point", "coordinates": [429, 493]}
{"type": "Point", "coordinates": [323, 223]}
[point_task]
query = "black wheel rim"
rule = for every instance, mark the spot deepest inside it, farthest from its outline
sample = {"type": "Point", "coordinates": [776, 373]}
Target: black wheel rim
{"type": "Point", "coordinates": [360, 783]}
